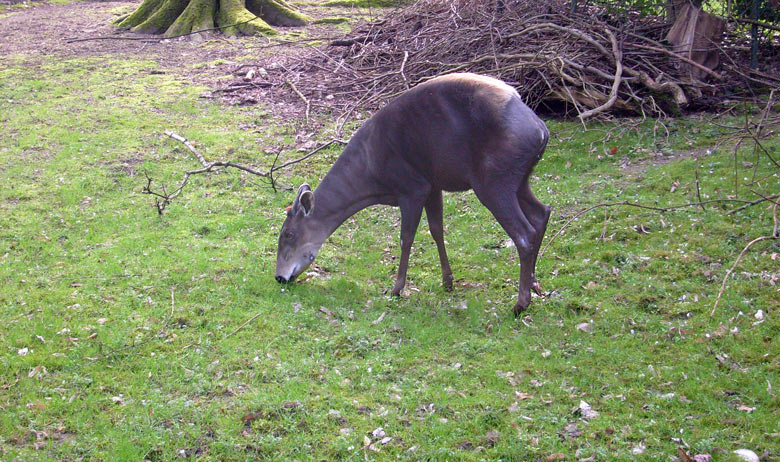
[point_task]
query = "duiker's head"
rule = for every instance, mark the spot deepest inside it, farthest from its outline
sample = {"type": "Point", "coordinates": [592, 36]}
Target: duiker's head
{"type": "Point", "coordinates": [299, 240]}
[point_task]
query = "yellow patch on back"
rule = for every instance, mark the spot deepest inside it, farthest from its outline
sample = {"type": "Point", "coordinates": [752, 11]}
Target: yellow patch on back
{"type": "Point", "coordinates": [496, 91]}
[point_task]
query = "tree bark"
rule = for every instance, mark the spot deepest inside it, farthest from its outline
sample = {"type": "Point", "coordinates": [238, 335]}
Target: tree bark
{"type": "Point", "coordinates": [233, 17]}
{"type": "Point", "coordinates": [695, 35]}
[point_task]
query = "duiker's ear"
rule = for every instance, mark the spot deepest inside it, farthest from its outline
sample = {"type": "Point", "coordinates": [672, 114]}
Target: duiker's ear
{"type": "Point", "coordinates": [307, 202]}
{"type": "Point", "coordinates": [303, 190]}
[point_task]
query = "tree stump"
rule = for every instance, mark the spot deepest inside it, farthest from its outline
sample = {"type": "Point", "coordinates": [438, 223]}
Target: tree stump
{"type": "Point", "coordinates": [696, 35]}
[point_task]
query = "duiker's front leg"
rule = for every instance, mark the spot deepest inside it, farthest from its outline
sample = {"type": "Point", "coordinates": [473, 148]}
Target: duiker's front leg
{"type": "Point", "coordinates": [411, 211]}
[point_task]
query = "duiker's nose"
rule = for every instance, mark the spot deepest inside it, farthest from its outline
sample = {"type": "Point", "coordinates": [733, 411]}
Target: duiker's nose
{"type": "Point", "coordinates": [281, 279]}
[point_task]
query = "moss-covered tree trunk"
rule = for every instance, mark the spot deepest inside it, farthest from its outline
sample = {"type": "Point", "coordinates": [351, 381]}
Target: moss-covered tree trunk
{"type": "Point", "coordinates": [233, 17]}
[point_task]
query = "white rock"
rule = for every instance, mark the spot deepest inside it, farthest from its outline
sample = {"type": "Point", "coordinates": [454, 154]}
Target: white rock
{"type": "Point", "coordinates": [747, 454]}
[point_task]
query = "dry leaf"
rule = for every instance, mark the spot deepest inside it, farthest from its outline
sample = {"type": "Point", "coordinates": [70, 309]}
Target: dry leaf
{"type": "Point", "coordinates": [37, 370]}
{"type": "Point", "coordinates": [586, 411]}
{"type": "Point", "coordinates": [585, 327]}
{"type": "Point", "coordinates": [719, 332]}
{"type": "Point", "coordinates": [380, 318]}
{"type": "Point", "coordinates": [571, 431]}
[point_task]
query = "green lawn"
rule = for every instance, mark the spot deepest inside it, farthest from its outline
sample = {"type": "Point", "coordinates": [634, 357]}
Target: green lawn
{"type": "Point", "coordinates": [116, 342]}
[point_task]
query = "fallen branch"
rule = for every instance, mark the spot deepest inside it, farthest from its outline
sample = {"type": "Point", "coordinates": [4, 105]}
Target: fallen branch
{"type": "Point", "coordinates": [752, 203]}
{"type": "Point", "coordinates": [548, 54]}
{"type": "Point", "coordinates": [681, 58]}
{"type": "Point", "coordinates": [244, 324]}
{"type": "Point", "coordinates": [628, 204]}
{"type": "Point", "coordinates": [303, 98]}
{"type": "Point", "coordinates": [163, 198]}
{"type": "Point", "coordinates": [774, 235]}
{"type": "Point", "coordinates": [613, 94]}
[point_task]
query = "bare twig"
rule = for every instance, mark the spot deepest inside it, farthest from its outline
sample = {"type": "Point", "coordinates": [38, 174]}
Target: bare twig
{"type": "Point", "coordinates": [163, 198]}
{"type": "Point", "coordinates": [244, 324]}
{"type": "Point", "coordinates": [309, 154]}
{"type": "Point", "coordinates": [547, 54]}
{"type": "Point", "coordinates": [189, 146]}
{"type": "Point", "coordinates": [615, 83]}
{"type": "Point", "coordinates": [774, 235]}
{"type": "Point", "coordinates": [627, 204]}
{"type": "Point", "coordinates": [303, 98]}
{"type": "Point", "coordinates": [752, 203]}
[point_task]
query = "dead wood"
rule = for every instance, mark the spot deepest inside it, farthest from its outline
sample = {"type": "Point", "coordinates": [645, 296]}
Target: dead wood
{"type": "Point", "coordinates": [693, 35]}
{"type": "Point", "coordinates": [163, 198]}
{"type": "Point", "coordinates": [558, 61]}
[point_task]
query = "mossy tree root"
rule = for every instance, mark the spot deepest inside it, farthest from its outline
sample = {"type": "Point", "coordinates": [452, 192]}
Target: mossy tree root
{"type": "Point", "coordinates": [159, 21]}
{"type": "Point", "coordinates": [199, 15]}
{"type": "Point", "coordinates": [233, 17]}
{"type": "Point", "coordinates": [147, 8]}
{"type": "Point", "coordinates": [277, 12]}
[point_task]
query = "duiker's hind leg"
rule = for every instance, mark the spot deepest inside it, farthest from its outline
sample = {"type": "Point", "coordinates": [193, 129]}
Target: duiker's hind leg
{"type": "Point", "coordinates": [538, 215]}
{"type": "Point", "coordinates": [500, 197]}
{"type": "Point", "coordinates": [434, 211]}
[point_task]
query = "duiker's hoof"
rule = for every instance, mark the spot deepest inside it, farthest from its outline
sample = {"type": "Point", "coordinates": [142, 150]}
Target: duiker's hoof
{"type": "Point", "coordinates": [537, 288]}
{"type": "Point", "coordinates": [518, 310]}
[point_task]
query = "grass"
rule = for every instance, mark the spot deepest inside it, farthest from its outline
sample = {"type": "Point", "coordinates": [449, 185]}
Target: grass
{"type": "Point", "coordinates": [116, 345]}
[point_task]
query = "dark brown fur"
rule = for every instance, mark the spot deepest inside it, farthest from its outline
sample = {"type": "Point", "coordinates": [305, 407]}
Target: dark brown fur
{"type": "Point", "coordinates": [452, 133]}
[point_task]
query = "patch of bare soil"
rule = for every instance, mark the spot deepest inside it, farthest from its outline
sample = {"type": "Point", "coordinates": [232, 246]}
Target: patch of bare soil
{"type": "Point", "coordinates": [45, 32]}
{"type": "Point", "coordinates": [41, 33]}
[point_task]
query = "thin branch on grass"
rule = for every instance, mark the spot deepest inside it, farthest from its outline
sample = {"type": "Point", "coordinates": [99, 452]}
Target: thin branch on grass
{"type": "Point", "coordinates": [774, 235]}
{"type": "Point", "coordinates": [303, 98]}
{"type": "Point", "coordinates": [163, 198]}
{"type": "Point", "coordinates": [752, 203]}
{"type": "Point", "coordinates": [628, 204]}
{"type": "Point", "coordinates": [244, 324]}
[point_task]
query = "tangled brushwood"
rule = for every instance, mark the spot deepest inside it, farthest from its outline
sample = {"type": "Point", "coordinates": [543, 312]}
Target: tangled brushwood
{"type": "Point", "coordinates": [581, 64]}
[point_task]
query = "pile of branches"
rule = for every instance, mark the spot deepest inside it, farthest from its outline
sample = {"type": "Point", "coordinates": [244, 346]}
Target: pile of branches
{"type": "Point", "coordinates": [585, 64]}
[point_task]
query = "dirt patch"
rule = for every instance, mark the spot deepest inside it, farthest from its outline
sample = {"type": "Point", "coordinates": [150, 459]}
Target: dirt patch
{"type": "Point", "coordinates": [42, 33]}
{"type": "Point", "coordinates": [45, 32]}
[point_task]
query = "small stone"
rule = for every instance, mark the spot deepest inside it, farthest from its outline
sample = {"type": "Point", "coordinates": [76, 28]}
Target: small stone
{"type": "Point", "coordinates": [747, 455]}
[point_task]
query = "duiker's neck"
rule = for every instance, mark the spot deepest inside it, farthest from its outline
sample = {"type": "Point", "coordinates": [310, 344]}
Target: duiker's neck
{"type": "Point", "coordinates": [346, 189]}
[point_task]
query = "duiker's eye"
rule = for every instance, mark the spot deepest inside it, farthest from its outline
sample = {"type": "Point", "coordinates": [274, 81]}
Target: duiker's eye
{"type": "Point", "coordinates": [289, 235]}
